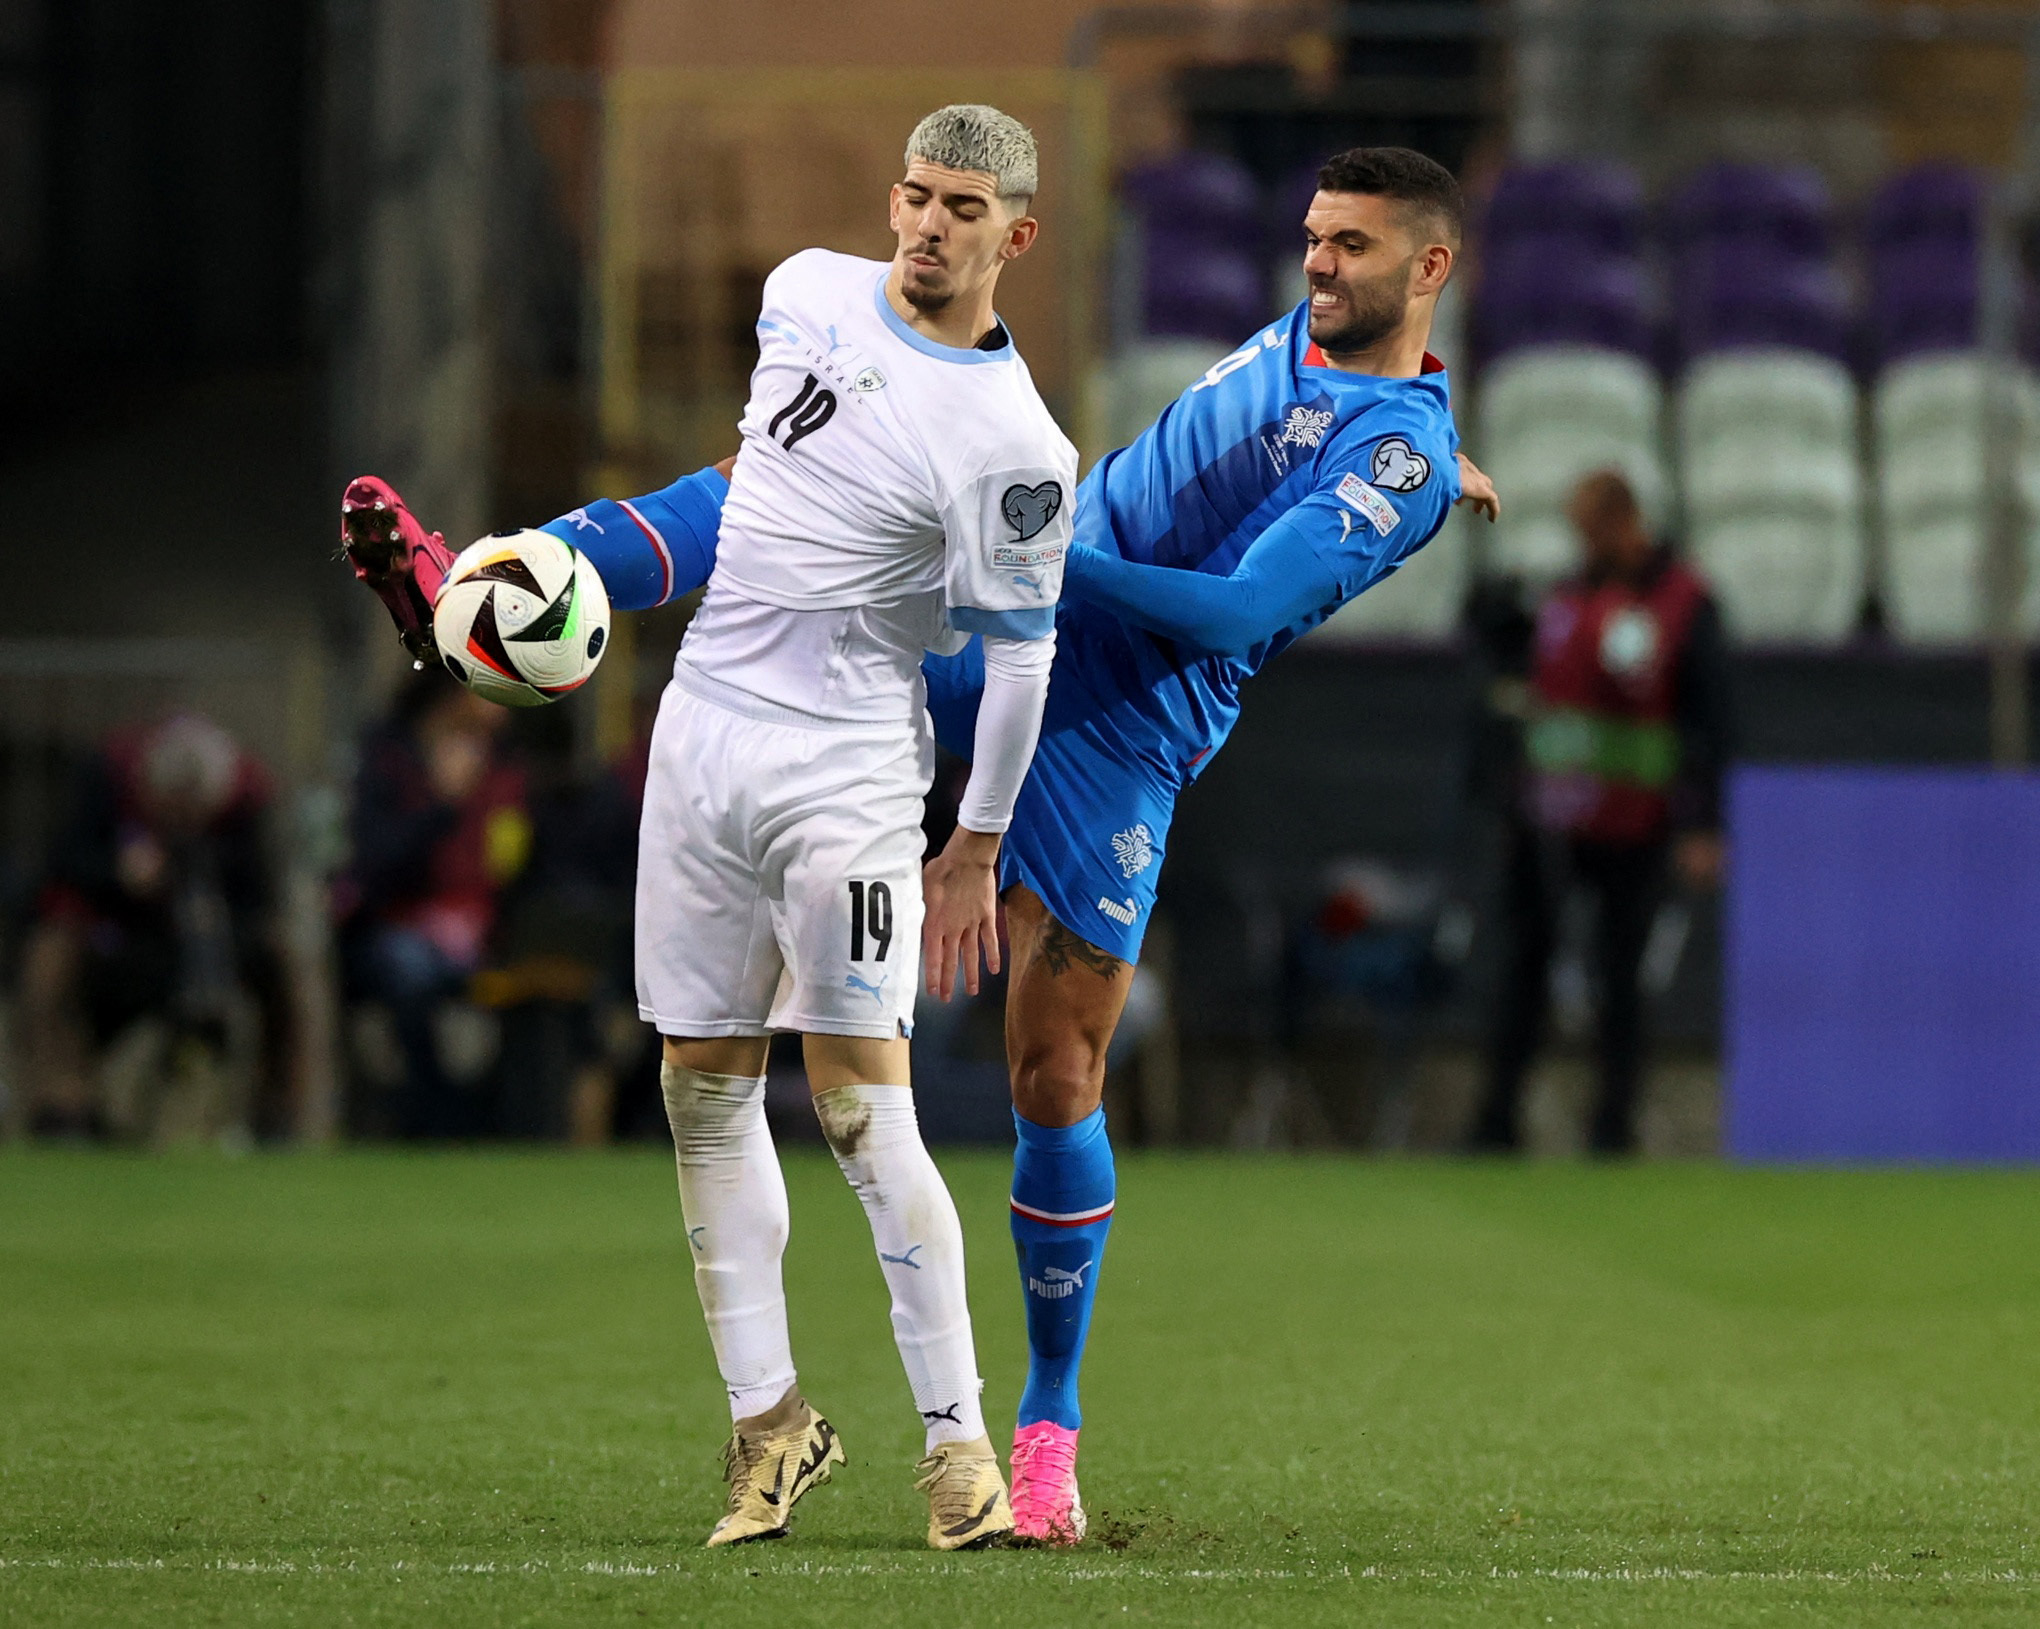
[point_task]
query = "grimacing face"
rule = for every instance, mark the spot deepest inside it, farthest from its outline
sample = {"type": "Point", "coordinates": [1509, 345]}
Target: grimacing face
{"type": "Point", "coordinates": [1365, 265]}
{"type": "Point", "coordinates": [954, 231]}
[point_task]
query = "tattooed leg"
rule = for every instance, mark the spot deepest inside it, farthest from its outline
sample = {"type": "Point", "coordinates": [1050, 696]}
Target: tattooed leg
{"type": "Point", "coordinates": [1063, 1001]}
{"type": "Point", "coordinates": [1062, 1004]}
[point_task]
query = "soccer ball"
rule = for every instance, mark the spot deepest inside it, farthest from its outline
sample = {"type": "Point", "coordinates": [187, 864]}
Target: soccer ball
{"type": "Point", "coordinates": [521, 619]}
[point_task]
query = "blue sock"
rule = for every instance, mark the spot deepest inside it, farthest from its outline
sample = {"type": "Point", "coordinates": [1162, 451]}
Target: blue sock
{"type": "Point", "coordinates": [1063, 1187]}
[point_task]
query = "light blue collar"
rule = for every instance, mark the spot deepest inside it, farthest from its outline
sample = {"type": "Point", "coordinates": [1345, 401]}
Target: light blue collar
{"type": "Point", "coordinates": [928, 347]}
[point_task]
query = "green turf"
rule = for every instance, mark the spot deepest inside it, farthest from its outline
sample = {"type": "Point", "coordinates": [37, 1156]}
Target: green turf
{"type": "Point", "coordinates": [473, 1389]}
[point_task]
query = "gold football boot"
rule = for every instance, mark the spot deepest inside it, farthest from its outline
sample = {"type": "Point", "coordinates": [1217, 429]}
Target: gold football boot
{"type": "Point", "coordinates": [769, 1463]}
{"type": "Point", "coordinates": [967, 1504]}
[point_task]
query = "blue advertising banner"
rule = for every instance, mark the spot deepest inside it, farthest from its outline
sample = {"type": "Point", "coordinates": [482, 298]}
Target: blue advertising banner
{"type": "Point", "coordinates": [1883, 965]}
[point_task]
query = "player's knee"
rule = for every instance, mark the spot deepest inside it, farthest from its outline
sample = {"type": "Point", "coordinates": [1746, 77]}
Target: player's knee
{"type": "Point", "coordinates": [697, 1102]}
{"type": "Point", "coordinates": [1058, 1082]}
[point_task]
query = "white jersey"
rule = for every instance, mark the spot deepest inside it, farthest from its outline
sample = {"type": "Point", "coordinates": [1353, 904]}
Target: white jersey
{"type": "Point", "coordinates": [893, 495]}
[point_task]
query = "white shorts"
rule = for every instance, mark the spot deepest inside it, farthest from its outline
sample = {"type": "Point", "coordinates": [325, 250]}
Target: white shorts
{"type": "Point", "coordinates": [779, 869]}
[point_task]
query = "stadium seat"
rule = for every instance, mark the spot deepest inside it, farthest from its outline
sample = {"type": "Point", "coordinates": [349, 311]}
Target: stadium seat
{"type": "Point", "coordinates": [1549, 290]}
{"type": "Point", "coordinates": [1288, 201]}
{"type": "Point", "coordinates": [1199, 226]}
{"type": "Point", "coordinates": [1924, 298]}
{"type": "Point", "coordinates": [1209, 193]}
{"type": "Point", "coordinates": [1196, 291]}
{"type": "Point", "coordinates": [1752, 293]}
{"type": "Point", "coordinates": [1146, 377]}
{"type": "Point", "coordinates": [1786, 207]}
{"type": "Point", "coordinates": [1923, 241]}
{"type": "Point", "coordinates": [1769, 467]}
{"type": "Point", "coordinates": [1929, 203]}
{"type": "Point", "coordinates": [1596, 205]}
{"type": "Point", "coordinates": [1549, 416]}
{"type": "Point", "coordinates": [1930, 478]}
{"type": "Point", "coordinates": [1422, 601]}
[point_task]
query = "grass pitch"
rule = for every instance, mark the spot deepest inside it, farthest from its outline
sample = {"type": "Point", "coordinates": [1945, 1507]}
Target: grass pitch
{"type": "Point", "coordinates": [474, 1389]}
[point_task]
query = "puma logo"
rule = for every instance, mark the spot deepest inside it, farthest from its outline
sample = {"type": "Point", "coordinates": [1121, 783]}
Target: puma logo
{"type": "Point", "coordinates": [931, 1415]}
{"type": "Point", "coordinates": [1057, 1283]}
{"type": "Point", "coordinates": [906, 1260]}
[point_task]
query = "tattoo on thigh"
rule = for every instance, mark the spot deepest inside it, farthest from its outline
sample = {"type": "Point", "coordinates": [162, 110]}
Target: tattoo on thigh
{"type": "Point", "coordinates": [1060, 947]}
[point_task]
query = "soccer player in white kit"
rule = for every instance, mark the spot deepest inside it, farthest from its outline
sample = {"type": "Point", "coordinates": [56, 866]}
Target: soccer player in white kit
{"type": "Point", "coordinates": [900, 487]}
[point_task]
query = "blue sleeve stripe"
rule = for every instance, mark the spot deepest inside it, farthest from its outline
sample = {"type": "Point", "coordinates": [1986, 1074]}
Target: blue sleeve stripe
{"type": "Point", "coordinates": [1037, 622]}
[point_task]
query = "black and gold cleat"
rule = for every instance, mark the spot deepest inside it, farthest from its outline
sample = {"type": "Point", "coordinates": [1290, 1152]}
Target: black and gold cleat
{"type": "Point", "coordinates": [769, 1462]}
{"type": "Point", "coordinates": [967, 1504]}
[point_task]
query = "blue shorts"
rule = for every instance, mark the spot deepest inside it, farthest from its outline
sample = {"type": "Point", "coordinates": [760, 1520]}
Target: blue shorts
{"type": "Point", "coordinates": [1091, 824]}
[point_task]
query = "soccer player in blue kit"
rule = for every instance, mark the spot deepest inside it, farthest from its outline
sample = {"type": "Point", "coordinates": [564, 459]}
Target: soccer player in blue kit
{"type": "Point", "coordinates": [1301, 469]}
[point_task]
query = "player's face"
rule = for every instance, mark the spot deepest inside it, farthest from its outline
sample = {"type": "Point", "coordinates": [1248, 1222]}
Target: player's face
{"type": "Point", "coordinates": [1366, 266]}
{"type": "Point", "coordinates": [954, 232]}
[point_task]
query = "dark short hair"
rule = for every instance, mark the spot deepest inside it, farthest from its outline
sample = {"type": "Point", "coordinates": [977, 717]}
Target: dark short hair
{"type": "Point", "coordinates": [1421, 185]}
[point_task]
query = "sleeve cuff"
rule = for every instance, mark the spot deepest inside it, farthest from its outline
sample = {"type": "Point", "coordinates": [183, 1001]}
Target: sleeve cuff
{"type": "Point", "coordinates": [1036, 622]}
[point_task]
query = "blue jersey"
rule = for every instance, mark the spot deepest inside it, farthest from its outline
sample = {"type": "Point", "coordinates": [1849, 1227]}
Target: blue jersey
{"type": "Point", "coordinates": [1271, 431]}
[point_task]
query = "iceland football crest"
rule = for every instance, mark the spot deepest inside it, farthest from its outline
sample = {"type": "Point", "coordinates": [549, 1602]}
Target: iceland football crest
{"type": "Point", "coordinates": [1133, 849]}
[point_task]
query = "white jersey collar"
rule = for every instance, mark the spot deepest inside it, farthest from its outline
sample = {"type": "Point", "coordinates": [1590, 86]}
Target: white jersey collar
{"type": "Point", "coordinates": [928, 347]}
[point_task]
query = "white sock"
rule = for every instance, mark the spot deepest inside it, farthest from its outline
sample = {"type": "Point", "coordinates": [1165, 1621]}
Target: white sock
{"type": "Point", "coordinates": [733, 1196]}
{"type": "Point", "coordinates": [877, 1140]}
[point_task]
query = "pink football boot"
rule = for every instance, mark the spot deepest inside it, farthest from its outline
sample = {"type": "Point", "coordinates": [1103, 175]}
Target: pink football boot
{"type": "Point", "coordinates": [1046, 1509]}
{"type": "Point", "coordinates": [402, 562]}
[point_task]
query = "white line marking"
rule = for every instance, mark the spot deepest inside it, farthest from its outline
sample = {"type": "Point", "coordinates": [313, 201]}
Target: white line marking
{"type": "Point", "coordinates": [940, 1567]}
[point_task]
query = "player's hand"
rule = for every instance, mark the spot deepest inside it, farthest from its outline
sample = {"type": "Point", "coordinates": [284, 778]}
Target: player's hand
{"type": "Point", "coordinates": [961, 887]}
{"type": "Point", "coordinates": [1475, 488]}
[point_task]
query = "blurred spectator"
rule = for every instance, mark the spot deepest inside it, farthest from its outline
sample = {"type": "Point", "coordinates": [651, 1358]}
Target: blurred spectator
{"type": "Point", "coordinates": [440, 826]}
{"type": "Point", "coordinates": [576, 1062]}
{"type": "Point", "coordinates": [1613, 785]}
{"type": "Point", "coordinates": [150, 993]}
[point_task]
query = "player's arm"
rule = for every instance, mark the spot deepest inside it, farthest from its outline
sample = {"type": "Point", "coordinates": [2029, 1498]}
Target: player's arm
{"type": "Point", "coordinates": [1337, 542]}
{"type": "Point", "coordinates": [1007, 537]}
{"type": "Point", "coordinates": [1279, 580]}
{"type": "Point", "coordinates": [653, 549]}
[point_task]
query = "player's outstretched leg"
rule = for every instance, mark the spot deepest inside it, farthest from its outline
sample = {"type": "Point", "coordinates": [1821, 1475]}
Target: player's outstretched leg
{"type": "Point", "coordinates": [733, 1197]}
{"type": "Point", "coordinates": [1064, 1000]}
{"type": "Point", "coordinates": [396, 557]}
{"type": "Point", "coordinates": [876, 1137]}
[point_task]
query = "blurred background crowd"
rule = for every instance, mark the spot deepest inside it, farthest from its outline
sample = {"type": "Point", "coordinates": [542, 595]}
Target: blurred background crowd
{"type": "Point", "coordinates": [1744, 331]}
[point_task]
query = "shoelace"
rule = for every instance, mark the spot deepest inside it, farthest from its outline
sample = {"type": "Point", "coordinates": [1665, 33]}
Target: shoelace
{"type": "Point", "coordinates": [954, 1499]}
{"type": "Point", "coordinates": [740, 1460]}
{"type": "Point", "coordinates": [1042, 1466]}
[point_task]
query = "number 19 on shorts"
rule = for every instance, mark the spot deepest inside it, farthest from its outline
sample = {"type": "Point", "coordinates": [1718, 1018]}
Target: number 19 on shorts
{"type": "Point", "coordinates": [870, 920]}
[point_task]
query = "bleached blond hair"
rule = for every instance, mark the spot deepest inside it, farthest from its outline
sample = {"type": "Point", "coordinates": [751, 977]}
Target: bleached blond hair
{"type": "Point", "coordinates": [971, 136]}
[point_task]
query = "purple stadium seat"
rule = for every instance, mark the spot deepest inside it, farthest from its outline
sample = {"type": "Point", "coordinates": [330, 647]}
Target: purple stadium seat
{"type": "Point", "coordinates": [1746, 293]}
{"type": "Point", "coordinates": [1194, 291]}
{"type": "Point", "coordinates": [1600, 205]}
{"type": "Point", "coordinates": [1786, 207]}
{"type": "Point", "coordinates": [1938, 203]}
{"type": "Point", "coordinates": [1288, 202]}
{"type": "Point", "coordinates": [1925, 296]}
{"type": "Point", "coordinates": [1551, 290]}
{"type": "Point", "coordinates": [1201, 194]}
